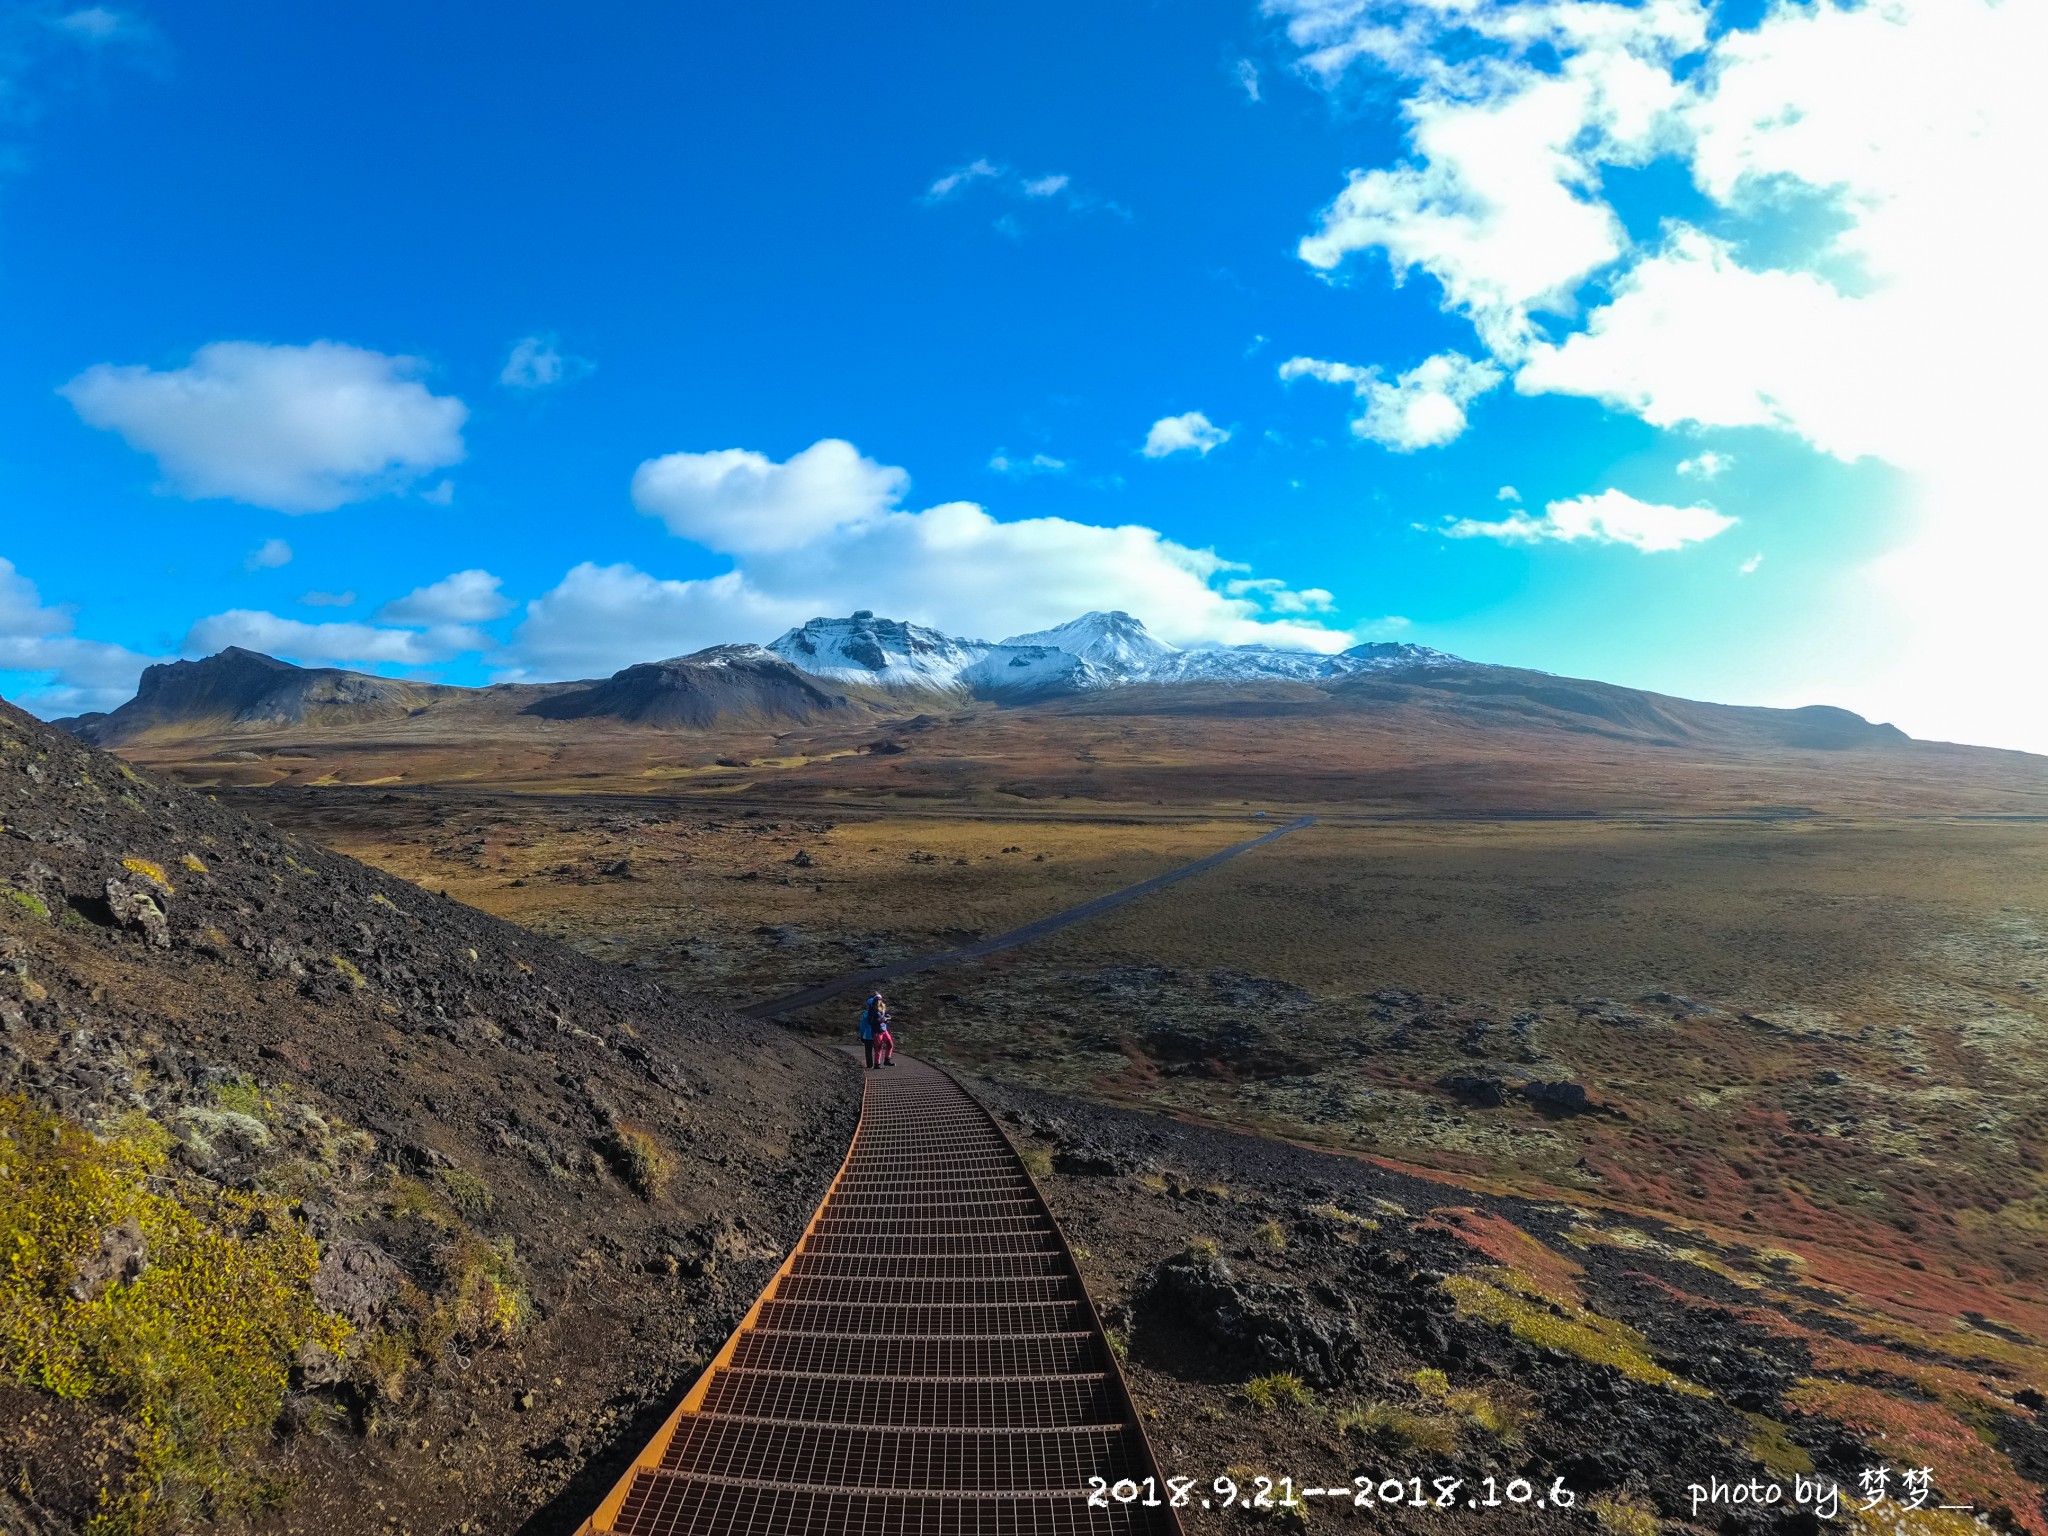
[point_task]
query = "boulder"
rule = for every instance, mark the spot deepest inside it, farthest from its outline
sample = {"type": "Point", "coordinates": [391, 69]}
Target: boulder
{"type": "Point", "coordinates": [1243, 1327]}
{"type": "Point", "coordinates": [356, 1278]}
{"type": "Point", "coordinates": [134, 904]}
{"type": "Point", "coordinates": [1561, 1097]}
{"type": "Point", "coordinates": [1475, 1088]}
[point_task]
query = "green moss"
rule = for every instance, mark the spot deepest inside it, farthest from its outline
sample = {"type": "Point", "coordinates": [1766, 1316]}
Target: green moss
{"type": "Point", "coordinates": [1271, 1236]}
{"type": "Point", "coordinates": [1771, 1443]}
{"type": "Point", "coordinates": [1548, 1321]}
{"type": "Point", "coordinates": [346, 970]}
{"type": "Point", "coordinates": [1497, 1412]}
{"type": "Point", "coordinates": [408, 1198]}
{"type": "Point", "coordinates": [1347, 1218]}
{"type": "Point", "coordinates": [1037, 1163]}
{"type": "Point", "coordinates": [29, 902]}
{"type": "Point", "coordinates": [486, 1298]}
{"type": "Point", "coordinates": [469, 1194]}
{"type": "Point", "coordinates": [1402, 1428]}
{"type": "Point", "coordinates": [1277, 1391]}
{"type": "Point", "coordinates": [1624, 1515]}
{"type": "Point", "coordinates": [195, 1349]}
{"type": "Point", "coordinates": [641, 1162]}
{"type": "Point", "coordinates": [151, 869]}
{"type": "Point", "coordinates": [244, 1097]}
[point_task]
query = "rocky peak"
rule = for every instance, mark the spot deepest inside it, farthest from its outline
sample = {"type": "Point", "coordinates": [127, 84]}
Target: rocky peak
{"type": "Point", "coordinates": [1114, 640]}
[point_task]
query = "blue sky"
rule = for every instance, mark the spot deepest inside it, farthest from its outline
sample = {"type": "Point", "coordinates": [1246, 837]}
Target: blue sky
{"type": "Point", "coordinates": [583, 307]}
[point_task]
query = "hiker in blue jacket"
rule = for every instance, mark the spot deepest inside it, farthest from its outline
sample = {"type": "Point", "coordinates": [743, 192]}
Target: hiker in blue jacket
{"type": "Point", "coordinates": [874, 1031]}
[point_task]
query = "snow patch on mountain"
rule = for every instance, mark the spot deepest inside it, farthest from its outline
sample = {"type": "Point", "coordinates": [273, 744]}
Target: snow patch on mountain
{"type": "Point", "coordinates": [1011, 668]}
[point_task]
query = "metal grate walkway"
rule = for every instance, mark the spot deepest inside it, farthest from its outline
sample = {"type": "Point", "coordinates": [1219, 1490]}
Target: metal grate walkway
{"type": "Point", "coordinates": [926, 1363]}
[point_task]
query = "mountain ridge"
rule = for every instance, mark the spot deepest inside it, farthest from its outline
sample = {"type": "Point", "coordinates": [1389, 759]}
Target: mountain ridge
{"type": "Point", "coordinates": [862, 666]}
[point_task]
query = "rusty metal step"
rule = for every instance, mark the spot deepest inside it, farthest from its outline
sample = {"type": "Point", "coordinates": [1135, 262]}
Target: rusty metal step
{"type": "Point", "coordinates": [919, 1460]}
{"type": "Point", "coordinates": [674, 1506]}
{"type": "Point", "coordinates": [1045, 1354]}
{"type": "Point", "coordinates": [927, 1291]}
{"type": "Point", "coordinates": [892, 1267]}
{"type": "Point", "coordinates": [1033, 1402]}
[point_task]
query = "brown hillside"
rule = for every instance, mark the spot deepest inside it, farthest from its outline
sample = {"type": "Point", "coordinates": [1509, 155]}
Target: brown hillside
{"type": "Point", "coordinates": [438, 1210]}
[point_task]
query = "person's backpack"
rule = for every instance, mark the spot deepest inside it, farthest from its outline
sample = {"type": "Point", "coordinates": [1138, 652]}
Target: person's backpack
{"type": "Point", "coordinates": [869, 1019]}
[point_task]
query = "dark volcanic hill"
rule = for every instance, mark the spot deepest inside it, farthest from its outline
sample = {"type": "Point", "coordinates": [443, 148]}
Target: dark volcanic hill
{"type": "Point", "coordinates": [407, 1207]}
{"type": "Point", "coordinates": [242, 694]}
{"type": "Point", "coordinates": [725, 685]}
{"type": "Point", "coordinates": [242, 690]}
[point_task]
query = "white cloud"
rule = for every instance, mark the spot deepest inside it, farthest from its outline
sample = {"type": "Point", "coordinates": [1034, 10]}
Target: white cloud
{"type": "Point", "coordinates": [1248, 79]}
{"type": "Point", "coordinates": [440, 495]}
{"type": "Point", "coordinates": [1422, 408]}
{"type": "Point", "coordinates": [66, 674]}
{"type": "Point", "coordinates": [953, 566]}
{"type": "Point", "coordinates": [1693, 337]}
{"type": "Point", "coordinates": [1748, 567]}
{"type": "Point", "coordinates": [1178, 434]}
{"type": "Point", "coordinates": [1500, 200]}
{"type": "Point", "coordinates": [328, 599]}
{"type": "Point", "coordinates": [1611, 517]}
{"type": "Point", "coordinates": [1307, 600]}
{"type": "Point", "coordinates": [1279, 597]}
{"type": "Point", "coordinates": [965, 176]}
{"type": "Point", "coordinates": [1019, 469]}
{"type": "Point", "coordinates": [743, 502]}
{"type": "Point", "coordinates": [467, 597]}
{"type": "Point", "coordinates": [1056, 187]}
{"type": "Point", "coordinates": [298, 429]}
{"type": "Point", "coordinates": [94, 22]}
{"type": "Point", "coordinates": [1348, 374]}
{"type": "Point", "coordinates": [1856, 265]}
{"type": "Point", "coordinates": [537, 362]}
{"type": "Point", "coordinates": [1507, 493]}
{"type": "Point", "coordinates": [329, 644]}
{"type": "Point", "coordinates": [1706, 464]}
{"type": "Point", "coordinates": [604, 617]}
{"type": "Point", "coordinates": [268, 556]}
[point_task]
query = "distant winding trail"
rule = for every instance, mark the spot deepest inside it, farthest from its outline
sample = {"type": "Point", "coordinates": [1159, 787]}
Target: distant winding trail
{"type": "Point", "coordinates": [775, 1007]}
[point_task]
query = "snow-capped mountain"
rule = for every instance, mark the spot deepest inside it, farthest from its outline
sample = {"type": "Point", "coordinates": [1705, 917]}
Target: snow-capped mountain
{"type": "Point", "coordinates": [1377, 654]}
{"type": "Point", "coordinates": [1115, 642]}
{"type": "Point", "coordinates": [885, 653]}
{"type": "Point", "coordinates": [1097, 650]}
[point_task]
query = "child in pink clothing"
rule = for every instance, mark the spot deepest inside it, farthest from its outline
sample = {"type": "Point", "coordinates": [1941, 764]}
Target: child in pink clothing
{"type": "Point", "coordinates": [880, 1045]}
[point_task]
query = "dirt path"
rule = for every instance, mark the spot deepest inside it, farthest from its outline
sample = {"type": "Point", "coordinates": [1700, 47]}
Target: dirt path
{"type": "Point", "coordinates": [776, 1007]}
